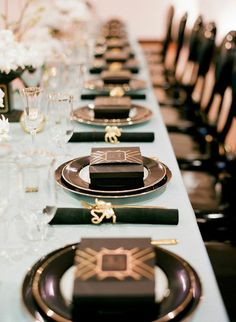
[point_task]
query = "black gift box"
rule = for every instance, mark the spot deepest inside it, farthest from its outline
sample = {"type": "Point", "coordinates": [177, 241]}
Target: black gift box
{"type": "Point", "coordinates": [114, 279]}
{"type": "Point", "coordinates": [100, 64]}
{"type": "Point", "coordinates": [112, 107]}
{"type": "Point", "coordinates": [116, 43]}
{"type": "Point", "coordinates": [116, 55]}
{"type": "Point", "coordinates": [116, 167]}
{"type": "Point", "coordinates": [116, 77]}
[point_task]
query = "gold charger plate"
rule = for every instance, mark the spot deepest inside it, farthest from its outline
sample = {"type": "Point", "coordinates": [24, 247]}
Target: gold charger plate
{"type": "Point", "coordinates": [138, 114]}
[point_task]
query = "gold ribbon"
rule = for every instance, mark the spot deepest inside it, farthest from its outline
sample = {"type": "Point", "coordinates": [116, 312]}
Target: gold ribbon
{"type": "Point", "coordinates": [111, 134]}
{"type": "Point", "coordinates": [100, 211]}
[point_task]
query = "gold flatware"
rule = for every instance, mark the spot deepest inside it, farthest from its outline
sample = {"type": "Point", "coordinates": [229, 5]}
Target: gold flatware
{"type": "Point", "coordinates": [158, 242]}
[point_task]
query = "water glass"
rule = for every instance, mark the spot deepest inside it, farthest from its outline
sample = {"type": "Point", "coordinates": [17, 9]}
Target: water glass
{"type": "Point", "coordinates": [60, 122]}
{"type": "Point", "coordinates": [39, 198]}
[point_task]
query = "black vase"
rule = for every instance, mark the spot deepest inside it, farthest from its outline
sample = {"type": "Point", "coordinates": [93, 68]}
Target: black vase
{"type": "Point", "coordinates": [6, 87]}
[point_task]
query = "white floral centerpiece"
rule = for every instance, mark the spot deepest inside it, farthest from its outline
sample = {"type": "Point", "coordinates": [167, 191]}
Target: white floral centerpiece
{"type": "Point", "coordinates": [38, 34]}
{"type": "Point", "coordinates": [62, 16]}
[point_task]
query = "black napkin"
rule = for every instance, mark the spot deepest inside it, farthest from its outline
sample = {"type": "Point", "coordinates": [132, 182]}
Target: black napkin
{"type": "Point", "coordinates": [90, 95]}
{"type": "Point", "coordinates": [125, 137]}
{"type": "Point", "coordinates": [159, 216]}
{"type": "Point", "coordinates": [98, 70]}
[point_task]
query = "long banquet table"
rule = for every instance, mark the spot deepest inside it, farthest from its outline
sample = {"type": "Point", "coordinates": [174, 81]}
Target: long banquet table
{"type": "Point", "coordinates": [190, 245]}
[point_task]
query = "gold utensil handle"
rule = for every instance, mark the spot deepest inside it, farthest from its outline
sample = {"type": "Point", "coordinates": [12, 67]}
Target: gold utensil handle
{"type": "Point", "coordinates": [164, 242]}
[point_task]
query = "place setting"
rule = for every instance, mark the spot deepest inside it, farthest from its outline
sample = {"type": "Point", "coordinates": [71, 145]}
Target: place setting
{"type": "Point", "coordinates": [109, 80]}
{"type": "Point", "coordinates": [113, 173]}
{"type": "Point", "coordinates": [104, 278]}
{"type": "Point", "coordinates": [114, 110]}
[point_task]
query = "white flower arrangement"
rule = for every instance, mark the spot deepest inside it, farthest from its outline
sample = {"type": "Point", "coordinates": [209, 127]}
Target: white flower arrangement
{"type": "Point", "coordinates": [12, 53]}
{"type": "Point", "coordinates": [4, 129]}
{"type": "Point", "coordinates": [62, 15]}
{"type": "Point", "coordinates": [2, 94]}
{"type": "Point", "coordinates": [40, 45]}
{"type": "Point", "coordinates": [30, 41]}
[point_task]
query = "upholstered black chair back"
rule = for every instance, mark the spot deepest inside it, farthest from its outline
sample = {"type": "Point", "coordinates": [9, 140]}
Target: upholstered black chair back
{"type": "Point", "coordinates": [207, 47]}
{"type": "Point", "coordinates": [224, 63]}
{"type": "Point", "coordinates": [194, 40]}
{"type": "Point", "coordinates": [180, 37]}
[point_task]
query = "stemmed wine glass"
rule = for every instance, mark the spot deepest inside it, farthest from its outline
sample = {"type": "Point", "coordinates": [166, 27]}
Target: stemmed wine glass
{"type": "Point", "coordinates": [61, 127]}
{"type": "Point", "coordinates": [33, 116]}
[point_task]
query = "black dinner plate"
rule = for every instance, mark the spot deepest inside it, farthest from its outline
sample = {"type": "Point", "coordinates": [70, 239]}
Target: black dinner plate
{"type": "Point", "coordinates": [156, 172]}
{"type": "Point", "coordinates": [138, 114]}
{"type": "Point", "coordinates": [150, 183]}
{"type": "Point", "coordinates": [43, 300]}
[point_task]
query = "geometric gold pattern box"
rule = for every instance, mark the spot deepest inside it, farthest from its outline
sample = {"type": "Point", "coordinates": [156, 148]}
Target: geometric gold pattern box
{"type": "Point", "coordinates": [114, 279]}
{"type": "Point", "coordinates": [116, 77]}
{"type": "Point", "coordinates": [116, 166]}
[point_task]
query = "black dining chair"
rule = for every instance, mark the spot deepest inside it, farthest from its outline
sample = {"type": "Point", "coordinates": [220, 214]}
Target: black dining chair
{"type": "Point", "coordinates": [183, 116]}
{"type": "Point", "coordinates": [175, 90]}
{"type": "Point", "coordinates": [210, 180]}
{"type": "Point", "coordinates": [223, 259]}
{"type": "Point", "coordinates": [165, 73]}
{"type": "Point", "coordinates": [192, 143]}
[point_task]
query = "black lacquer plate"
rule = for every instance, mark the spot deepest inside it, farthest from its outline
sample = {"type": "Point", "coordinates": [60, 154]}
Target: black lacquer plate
{"type": "Point", "coordinates": [157, 177]}
{"type": "Point", "coordinates": [138, 114]}
{"type": "Point", "coordinates": [43, 300]}
{"type": "Point", "coordinates": [156, 172]}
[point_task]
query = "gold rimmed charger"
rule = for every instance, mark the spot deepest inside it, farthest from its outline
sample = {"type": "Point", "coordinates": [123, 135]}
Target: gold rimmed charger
{"type": "Point", "coordinates": [183, 284]}
{"type": "Point", "coordinates": [156, 177]}
{"type": "Point", "coordinates": [138, 114]}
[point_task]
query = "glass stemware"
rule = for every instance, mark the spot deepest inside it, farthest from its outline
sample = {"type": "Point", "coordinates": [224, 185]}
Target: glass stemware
{"type": "Point", "coordinates": [4, 187]}
{"type": "Point", "coordinates": [11, 245]}
{"type": "Point", "coordinates": [61, 127]}
{"type": "Point", "coordinates": [39, 199]}
{"type": "Point", "coordinates": [33, 117]}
